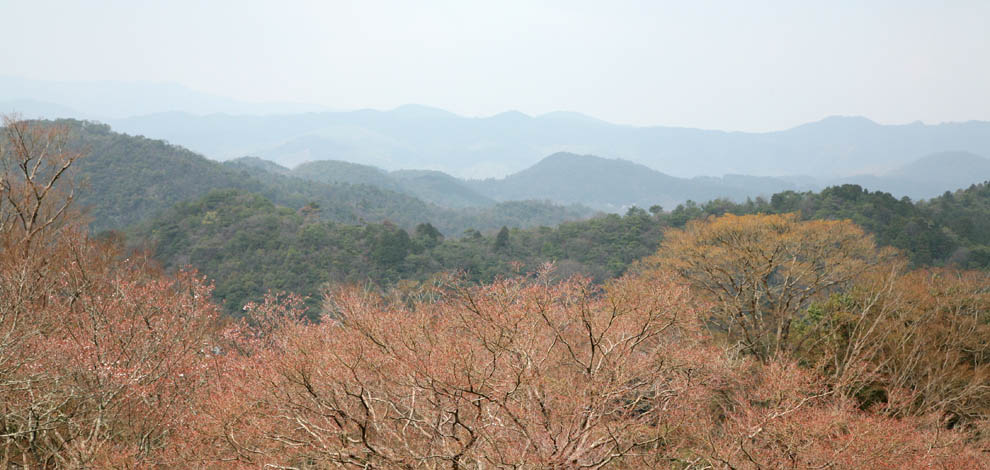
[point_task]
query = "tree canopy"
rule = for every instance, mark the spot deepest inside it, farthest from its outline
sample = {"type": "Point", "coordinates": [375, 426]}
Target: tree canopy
{"type": "Point", "coordinates": [763, 271]}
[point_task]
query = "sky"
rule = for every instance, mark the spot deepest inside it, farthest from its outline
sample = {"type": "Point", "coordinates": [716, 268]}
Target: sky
{"type": "Point", "coordinates": [731, 65]}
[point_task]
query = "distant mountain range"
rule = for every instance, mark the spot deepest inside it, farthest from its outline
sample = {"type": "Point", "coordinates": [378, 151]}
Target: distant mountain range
{"type": "Point", "coordinates": [614, 185]}
{"type": "Point", "coordinates": [506, 143]}
{"type": "Point", "coordinates": [928, 176]}
{"type": "Point", "coordinates": [475, 162]}
{"type": "Point", "coordinates": [421, 137]}
{"type": "Point", "coordinates": [604, 184]}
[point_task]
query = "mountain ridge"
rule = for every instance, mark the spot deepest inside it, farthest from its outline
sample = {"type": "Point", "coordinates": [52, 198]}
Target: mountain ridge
{"type": "Point", "coordinates": [614, 185]}
{"type": "Point", "coordinates": [126, 179]}
{"type": "Point", "coordinates": [928, 176]}
{"type": "Point", "coordinates": [509, 142]}
{"type": "Point", "coordinates": [419, 136]}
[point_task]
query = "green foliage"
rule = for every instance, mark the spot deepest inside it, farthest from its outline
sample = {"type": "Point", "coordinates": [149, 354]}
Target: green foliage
{"type": "Point", "coordinates": [950, 229]}
{"type": "Point", "coordinates": [428, 235]}
{"type": "Point", "coordinates": [502, 239]}
{"type": "Point", "coordinates": [334, 171]}
{"type": "Point", "coordinates": [439, 188]}
{"type": "Point", "coordinates": [363, 203]}
{"type": "Point", "coordinates": [126, 179]}
{"type": "Point", "coordinates": [431, 186]}
{"type": "Point", "coordinates": [249, 245]}
{"type": "Point", "coordinates": [963, 218]}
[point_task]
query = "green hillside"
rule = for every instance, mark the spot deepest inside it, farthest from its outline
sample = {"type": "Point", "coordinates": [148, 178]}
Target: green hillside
{"type": "Point", "coordinates": [431, 186]}
{"type": "Point", "coordinates": [439, 188]}
{"type": "Point", "coordinates": [613, 184]}
{"type": "Point", "coordinates": [125, 179]}
{"type": "Point", "coordinates": [249, 245]}
{"type": "Point", "coordinates": [333, 171]}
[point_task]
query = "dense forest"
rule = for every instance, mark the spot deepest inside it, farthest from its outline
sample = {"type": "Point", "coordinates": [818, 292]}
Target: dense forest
{"type": "Point", "coordinates": [249, 245]}
{"type": "Point", "coordinates": [754, 341]}
{"type": "Point", "coordinates": [125, 179]}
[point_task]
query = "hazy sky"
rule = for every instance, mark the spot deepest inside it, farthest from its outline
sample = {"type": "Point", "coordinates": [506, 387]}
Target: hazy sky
{"type": "Point", "coordinates": [734, 65]}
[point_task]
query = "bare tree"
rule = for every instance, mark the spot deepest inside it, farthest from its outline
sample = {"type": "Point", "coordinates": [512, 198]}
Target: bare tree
{"type": "Point", "coordinates": [35, 192]}
{"type": "Point", "coordinates": [517, 374]}
{"type": "Point", "coordinates": [100, 353]}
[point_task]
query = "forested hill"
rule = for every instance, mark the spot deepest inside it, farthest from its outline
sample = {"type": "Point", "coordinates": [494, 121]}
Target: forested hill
{"type": "Point", "coordinates": [611, 184]}
{"type": "Point", "coordinates": [430, 186]}
{"type": "Point", "coordinates": [249, 245]}
{"type": "Point", "coordinates": [124, 179]}
{"type": "Point", "coordinates": [440, 188]}
{"type": "Point", "coordinates": [364, 203]}
{"type": "Point", "coordinates": [614, 185]}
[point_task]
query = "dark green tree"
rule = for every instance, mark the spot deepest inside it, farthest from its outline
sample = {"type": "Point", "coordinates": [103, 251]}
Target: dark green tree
{"type": "Point", "coordinates": [428, 235]}
{"type": "Point", "coordinates": [502, 239]}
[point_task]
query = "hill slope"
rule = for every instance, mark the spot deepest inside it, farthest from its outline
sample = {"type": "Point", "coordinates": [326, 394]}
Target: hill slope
{"type": "Point", "coordinates": [612, 184]}
{"type": "Point", "coordinates": [439, 188]}
{"type": "Point", "coordinates": [334, 171]}
{"type": "Point", "coordinates": [431, 186]}
{"type": "Point", "coordinates": [126, 179]}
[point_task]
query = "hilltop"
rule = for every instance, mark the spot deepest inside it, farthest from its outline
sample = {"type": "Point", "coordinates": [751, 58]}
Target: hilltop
{"type": "Point", "coordinates": [125, 179]}
{"type": "Point", "coordinates": [499, 145]}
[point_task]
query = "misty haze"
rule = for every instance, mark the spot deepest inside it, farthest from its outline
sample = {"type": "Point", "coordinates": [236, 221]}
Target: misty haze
{"type": "Point", "coordinates": [476, 235]}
